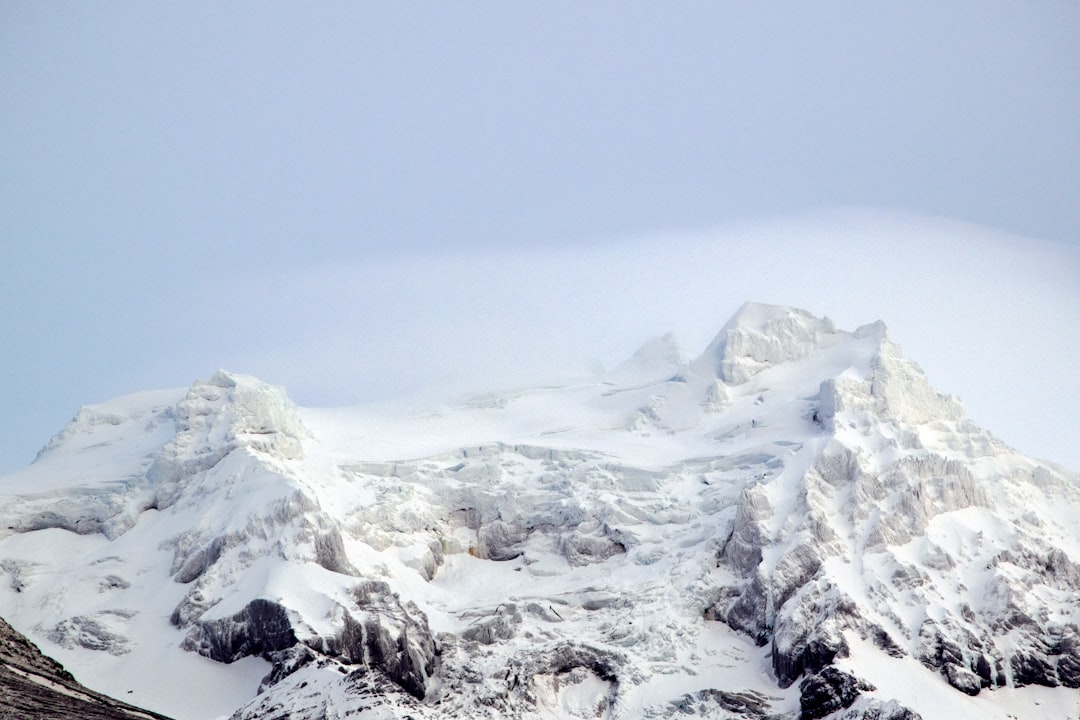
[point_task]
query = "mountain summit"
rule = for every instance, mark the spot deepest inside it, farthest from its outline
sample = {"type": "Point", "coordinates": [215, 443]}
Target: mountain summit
{"type": "Point", "coordinates": [793, 524]}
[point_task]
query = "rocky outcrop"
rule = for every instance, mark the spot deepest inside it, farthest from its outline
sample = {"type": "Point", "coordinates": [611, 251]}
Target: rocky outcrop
{"type": "Point", "coordinates": [389, 636]}
{"type": "Point", "coordinates": [873, 709]}
{"type": "Point", "coordinates": [382, 635]}
{"type": "Point", "coordinates": [705, 703]}
{"type": "Point", "coordinates": [36, 687]}
{"type": "Point", "coordinates": [93, 632]}
{"type": "Point", "coordinates": [261, 628]}
{"type": "Point", "coordinates": [827, 692]}
{"type": "Point", "coordinates": [537, 679]}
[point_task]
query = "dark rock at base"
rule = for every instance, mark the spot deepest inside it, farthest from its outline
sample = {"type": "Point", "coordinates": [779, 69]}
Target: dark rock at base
{"type": "Point", "coordinates": [393, 637]}
{"type": "Point", "coordinates": [1032, 669]}
{"type": "Point", "coordinates": [1069, 662]}
{"type": "Point", "coordinates": [260, 628]}
{"type": "Point", "coordinates": [36, 687]}
{"type": "Point", "coordinates": [817, 654]}
{"type": "Point", "coordinates": [962, 658]}
{"type": "Point", "coordinates": [990, 675]}
{"type": "Point", "coordinates": [963, 679]}
{"type": "Point", "coordinates": [880, 710]}
{"type": "Point", "coordinates": [884, 641]}
{"type": "Point", "coordinates": [749, 704]}
{"type": "Point", "coordinates": [828, 691]}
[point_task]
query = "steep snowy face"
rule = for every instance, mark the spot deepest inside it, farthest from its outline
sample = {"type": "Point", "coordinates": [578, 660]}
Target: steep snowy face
{"type": "Point", "coordinates": [230, 412]}
{"type": "Point", "coordinates": [658, 359]}
{"type": "Point", "coordinates": [90, 477]}
{"type": "Point", "coordinates": [782, 526]}
{"type": "Point", "coordinates": [231, 415]}
{"type": "Point", "coordinates": [760, 336]}
{"type": "Point", "coordinates": [905, 529]}
{"type": "Point", "coordinates": [216, 520]}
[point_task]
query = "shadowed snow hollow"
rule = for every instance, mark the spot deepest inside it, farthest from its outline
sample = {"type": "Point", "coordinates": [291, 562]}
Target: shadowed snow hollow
{"type": "Point", "coordinates": [792, 524]}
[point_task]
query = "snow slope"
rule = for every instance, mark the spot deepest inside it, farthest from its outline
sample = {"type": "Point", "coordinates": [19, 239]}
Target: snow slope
{"type": "Point", "coordinates": [792, 523]}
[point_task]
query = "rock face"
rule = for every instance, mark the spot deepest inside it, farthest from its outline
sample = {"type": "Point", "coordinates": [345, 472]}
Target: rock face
{"type": "Point", "coordinates": [35, 687]}
{"type": "Point", "coordinates": [391, 636]}
{"type": "Point", "coordinates": [827, 692]}
{"type": "Point", "coordinates": [261, 628]}
{"type": "Point", "coordinates": [797, 499]}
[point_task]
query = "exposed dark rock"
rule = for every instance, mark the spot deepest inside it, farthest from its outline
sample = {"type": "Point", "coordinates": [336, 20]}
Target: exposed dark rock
{"type": "Point", "coordinates": [966, 662]}
{"type": "Point", "coordinates": [884, 641]}
{"type": "Point", "coordinates": [36, 687]}
{"type": "Point", "coordinates": [601, 663]}
{"type": "Point", "coordinates": [874, 709]}
{"type": "Point", "coordinates": [743, 548]}
{"type": "Point", "coordinates": [963, 679]}
{"type": "Point", "coordinates": [17, 650]}
{"type": "Point", "coordinates": [1033, 669]}
{"type": "Point", "coordinates": [197, 563]}
{"type": "Point", "coordinates": [260, 628]}
{"type": "Point", "coordinates": [530, 677]}
{"type": "Point", "coordinates": [793, 571]}
{"type": "Point", "coordinates": [748, 704]}
{"type": "Point", "coordinates": [285, 663]}
{"type": "Point", "coordinates": [809, 632]}
{"type": "Point", "coordinates": [815, 655]}
{"type": "Point", "coordinates": [392, 636]}
{"type": "Point", "coordinates": [330, 552]}
{"type": "Point", "coordinates": [1054, 567]}
{"type": "Point", "coordinates": [986, 672]}
{"type": "Point", "coordinates": [1069, 660]}
{"type": "Point", "coordinates": [1059, 571]}
{"type": "Point", "coordinates": [747, 613]}
{"type": "Point", "coordinates": [828, 691]}
{"type": "Point", "coordinates": [90, 633]}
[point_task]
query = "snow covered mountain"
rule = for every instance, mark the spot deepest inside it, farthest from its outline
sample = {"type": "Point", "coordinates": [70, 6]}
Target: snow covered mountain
{"type": "Point", "coordinates": [793, 524]}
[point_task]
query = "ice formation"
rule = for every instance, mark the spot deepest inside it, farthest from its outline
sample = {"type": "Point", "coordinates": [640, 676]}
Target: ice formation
{"type": "Point", "coordinates": [792, 524]}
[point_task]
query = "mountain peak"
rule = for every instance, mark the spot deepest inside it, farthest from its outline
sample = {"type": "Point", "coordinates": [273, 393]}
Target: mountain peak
{"type": "Point", "coordinates": [762, 316]}
{"type": "Point", "coordinates": [227, 412]}
{"type": "Point", "coordinates": [659, 357]}
{"type": "Point", "coordinates": [626, 543]}
{"type": "Point", "coordinates": [760, 335]}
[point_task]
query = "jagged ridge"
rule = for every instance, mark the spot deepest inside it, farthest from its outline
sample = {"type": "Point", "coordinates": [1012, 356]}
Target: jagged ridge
{"type": "Point", "coordinates": [578, 551]}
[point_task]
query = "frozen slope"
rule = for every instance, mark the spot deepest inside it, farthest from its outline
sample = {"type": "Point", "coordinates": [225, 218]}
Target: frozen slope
{"type": "Point", "coordinates": [793, 523]}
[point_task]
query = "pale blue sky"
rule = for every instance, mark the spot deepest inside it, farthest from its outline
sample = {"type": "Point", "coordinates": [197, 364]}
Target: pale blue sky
{"type": "Point", "coordinates": [359, 200]}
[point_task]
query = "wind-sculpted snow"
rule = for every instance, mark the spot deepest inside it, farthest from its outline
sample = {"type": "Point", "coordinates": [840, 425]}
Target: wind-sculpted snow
{"type": "Point", "coordinates": [761, 336]}
{"type": "Point", "coordinates": [793, 524]}
{"type": "Point", "coordinates": [228, 413]}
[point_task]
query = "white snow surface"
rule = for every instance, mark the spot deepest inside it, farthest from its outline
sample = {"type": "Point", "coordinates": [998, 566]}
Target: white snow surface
{"type": "Point", "coordinates": [622, 517]}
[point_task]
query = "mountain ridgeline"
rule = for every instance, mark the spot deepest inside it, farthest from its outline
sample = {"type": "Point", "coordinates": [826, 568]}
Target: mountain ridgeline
{"type": "Point", "coordinates": [793, 524]}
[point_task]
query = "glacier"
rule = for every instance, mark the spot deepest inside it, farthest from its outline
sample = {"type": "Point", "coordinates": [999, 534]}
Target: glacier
{"type": "Point", "coordinates": [792, 524]}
